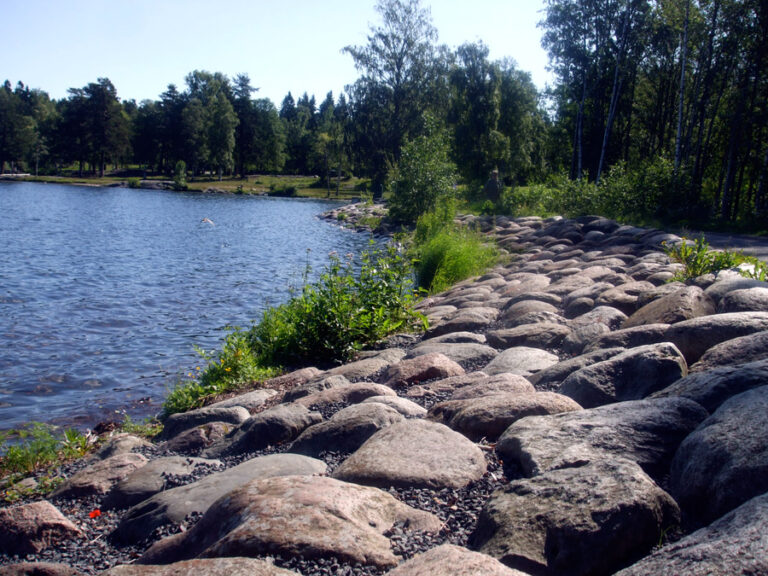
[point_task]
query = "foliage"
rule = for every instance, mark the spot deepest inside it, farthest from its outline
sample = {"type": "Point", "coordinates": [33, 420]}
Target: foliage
{"type": "Point", "coordinates": [38, 446]}
{"type": "Point", "coordinates": [234, 367]}
{"type": "Point", "coordinates": [180, 175]}
{"type": "Point", "coordinates": [423, 176]}
{"type": "Point", "coordinates": [148, 428]}
{"type": "Point", "coordinates": [697, 259]}
{"type": "Point", "coordinates": [446, 252]}
{"type": "Point", "coordinates": [344, 311]}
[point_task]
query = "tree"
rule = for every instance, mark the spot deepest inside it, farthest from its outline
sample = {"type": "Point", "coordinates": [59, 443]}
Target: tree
{"type": "Point", "coordinates": [423, 175]}
{"type": "Point", "coordinates": [222, 122]}
{"type": "Point", "coordinates": [245, 136]}
{"type": "Point", "coordinates": [17, 130]}
{"type": "Point", "coordinates": [398, 72]}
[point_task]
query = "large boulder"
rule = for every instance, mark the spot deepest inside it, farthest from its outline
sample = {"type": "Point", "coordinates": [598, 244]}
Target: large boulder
{"type": "Point", "coordinates": [520, 360]}
{"type": "Point", "coordinates": [488, 416]}
{"type": "Point", "coordinates": [694, 337]}
{"type": "Point", "coordinates": [207, 566]}
{"type": "Point", "coordinates": [346, 430]}
{"type": "Point", "coordinates": [715, 386]}
{"type": "Point", "coordinates": [351, 393]}
{"type": "Point", "coordinates": [414, 453]}
{"type": "Point", "coordinates": [631, 375]}
{"type": "Point", "coordinates": [645, 431]}
{"type": "Point", "coordinates": [453, 560]}
{"type": "Point", "coordinates": [724, 462]}
{"type": "Point", "coordinates": [311, 516]}
{"type": "Point", "coordinates": [734, 544]}
{"type": "Point", "coordinates": [177, 423]}
{"type": "Point", "coordinates": [368, 368]}
{"type": "Point", "coordinates": [499, 384]}
{"type": "Point", "coordinates": [545, 335]}
{"type": "Point", "coordinates": [592, 519]}
{"type": "Point", "coordinates": [684, 304]}
{"type": "Point", "coordinates": [472, 319]}
{"type": "Point", "coordinates": [459, 352]}
{"type": "Point", "coordinates": [39, 569]}
{"type": "Point", "coordinates": [746, 300]}
{"type": "Point", "coordinates": [629, 337]}
{"type": "Point", "coordinates": [151, 479]}
{"type": "Point", "coordinates": [421, 368]}
{"type": "Point", "coordinates": [99, 477]}
{"type": "Point", "coordinates": [282, 423]}
{"type": "Point", "coordinates": [251, 401]}
{"type": "Point", "coordinates": [31, 528]}
{"type": "Point", "coordinates": [550, 378]}
{"type": "Point", "coordinates": [172, 506]}
{"type": "Point", "coordinates": [741, 350]}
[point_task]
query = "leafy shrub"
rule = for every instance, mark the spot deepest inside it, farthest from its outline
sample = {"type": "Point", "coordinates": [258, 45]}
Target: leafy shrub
{"type": "Point", "coordinates": [344, 311]}
{"type": "Point", "coordinates": [134, 182]}
{"type": "Point", "coordinates": [180, 175]}
{"type": "Point", "coordinates": [697, 259]}
{"type": "Point", "coordinates": [423, 175]}
{"type": "Point", "coordinates": [232, 368]}
{"type": "Point", "coordinates": [37, 446]}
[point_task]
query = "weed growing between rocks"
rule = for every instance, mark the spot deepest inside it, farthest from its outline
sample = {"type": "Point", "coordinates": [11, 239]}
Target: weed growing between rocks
{"type": "Point", "coordinates": [698, 259]}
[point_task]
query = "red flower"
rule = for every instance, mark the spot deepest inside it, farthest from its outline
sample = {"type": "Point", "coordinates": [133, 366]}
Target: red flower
{"type": "Point", "coordinates": [95, 513]}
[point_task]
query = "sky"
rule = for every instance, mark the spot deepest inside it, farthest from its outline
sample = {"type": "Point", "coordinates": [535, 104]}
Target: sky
{"type": "Point", "coordinates": [144, 45]}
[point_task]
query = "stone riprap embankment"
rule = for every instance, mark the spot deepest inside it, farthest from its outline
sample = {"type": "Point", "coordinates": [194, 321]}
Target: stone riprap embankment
{"type": "Point", "coordinates": [570, 412]}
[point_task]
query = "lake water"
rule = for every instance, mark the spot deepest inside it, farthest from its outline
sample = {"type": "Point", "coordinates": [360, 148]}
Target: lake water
{"type": "Point", "coordinates": [104, 292]}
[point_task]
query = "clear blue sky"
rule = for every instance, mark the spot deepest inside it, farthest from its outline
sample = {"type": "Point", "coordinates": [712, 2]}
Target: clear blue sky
{"type": "Point", "coordinates": [283, 45]}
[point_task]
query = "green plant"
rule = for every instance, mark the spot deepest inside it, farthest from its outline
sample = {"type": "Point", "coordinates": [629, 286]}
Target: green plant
{"type": "Point", "coordinates": [180, 175]}
{"type": "Point", "coordinates": [424, 175]}
{"type": "Point", "coordinates": [37, 446]}
{"type": "Point", "coordinates": [230, 369]}
{"type": "Point", "coordinates": [345, 310]}
{"type": "Point", "coordinates": [149, 428]}
{"type": "Point", "coordinates": [134, 182]}
{"type": "Point", "coordinates": [697, 259]}
{"type": "Point", "coordinates": [446, 252]}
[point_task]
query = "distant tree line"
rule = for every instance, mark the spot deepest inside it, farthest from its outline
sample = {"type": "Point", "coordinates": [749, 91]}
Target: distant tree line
{"type": "Point", "coordinates": [674, 88]}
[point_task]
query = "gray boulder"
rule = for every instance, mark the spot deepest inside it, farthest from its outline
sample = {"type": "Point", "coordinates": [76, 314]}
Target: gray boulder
{"type": "Point", "coordinates": [746, 300]}
{"type": "Point", "coordinates": [31, 528]}
{"type": "Point", "coordinates": [420, 368]}
{"type": "Point", "coordinates": [151, 479]}
{"type": "Point", "coordinates": [731, 352]}
{"type": "Point", "coordinates": [592, 519]}
{"type": "Point", "coordinates": [550, 378]}
{"type": "Point", "coordinates": [629, 337]}
{"type": "Point", "coordinates": [696, 336]}
{"type": "Point", "coordinates": [645, 431]}
{"type": "Point", "coordinates": [174, 505]}
{"type": "Point", "coordinates": [311, 516]}
{"type": "Point", "coordinates": [465, 320]}
{"type": "Point", "coordinates": [459, 352]}
{"type": "Point", "coordinates": [724, 462]}
{"type": "Point", "coordinates": [346, 430]}
{"type": "Point", "coordinates": [178, 423]}
{"type": "Point", "coordinates": [282, 423]}
{"type": "Point", "coordinates": [315, 385]}
{"type": "Point", "coordinates": [251, 401]}
{"type": "Point", "coordinates": [684, 304]}
{"type": "Point", "coordinates": [630, 375]}
{"type": "Point", "coordinates": [489, 416]}
{"type": "Point", "coordinates": [624, 296]}
{"type": "Point", "coordinates": [99, 477]}
{"type": "Point", "coordinates": [723, 286]}
{"type": "Point", "coordinates": [407, 408]}
{"type": "Point", "coordinates": [207, 566]}
{"type": "Point", "coordinates": [351, 393]}
{"type": "Point", "coordinates": [195, 440]}
{"type": "Point", "coordinates": [414, 453]}
{"type": "Point", "coordinates": [499, 384]}
{"type": "Point", "coordinates": [368, 368]}
{"type": "Point", "coordinates": [520, 360]}
{"type": "Point", "coordinates": [543, 335]}
{"type": "Point", "coordinates": [713, 387]}
{"type": "Point", "coordinates": [734, 544]}
{"type": "Point", "coordinates": [453, 560]}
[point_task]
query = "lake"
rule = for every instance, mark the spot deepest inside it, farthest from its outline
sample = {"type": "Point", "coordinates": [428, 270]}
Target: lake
{"type": "Point", "coordinates": [105, 292]}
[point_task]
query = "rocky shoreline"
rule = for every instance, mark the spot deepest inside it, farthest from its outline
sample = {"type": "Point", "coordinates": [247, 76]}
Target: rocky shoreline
{"type": "Point", "coordinates": [569, 412]}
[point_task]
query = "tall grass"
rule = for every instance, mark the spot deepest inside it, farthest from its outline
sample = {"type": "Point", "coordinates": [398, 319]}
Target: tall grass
{"type": "Point", "coordinates": [447, 253]}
